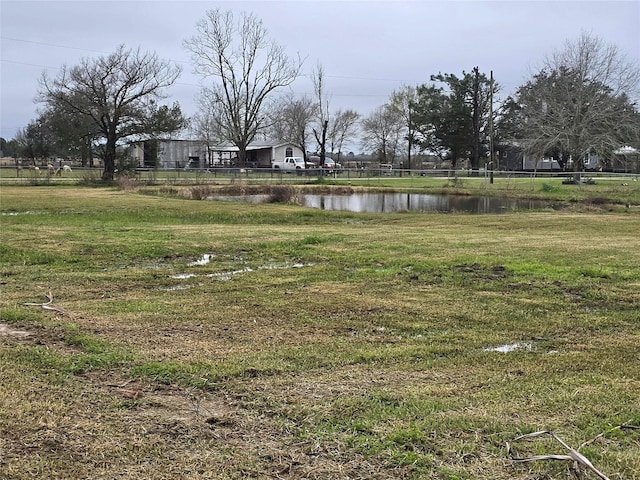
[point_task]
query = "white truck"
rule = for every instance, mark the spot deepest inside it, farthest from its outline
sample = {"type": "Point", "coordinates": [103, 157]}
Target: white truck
{"type": "Point", "coordinates": [289, 164]}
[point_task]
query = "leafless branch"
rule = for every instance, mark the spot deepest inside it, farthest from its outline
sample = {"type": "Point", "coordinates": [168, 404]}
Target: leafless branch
{"type": "Point", "coordinates": [573, 456]}
{"type": "Point", "coordinates": [47, 305]}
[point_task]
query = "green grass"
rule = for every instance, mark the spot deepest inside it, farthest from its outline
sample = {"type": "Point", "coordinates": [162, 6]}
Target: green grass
{"type": "Point", "coordinates": [313, 344]}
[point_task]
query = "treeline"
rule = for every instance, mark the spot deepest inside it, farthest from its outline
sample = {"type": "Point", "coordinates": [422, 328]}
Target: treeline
{"type": "Point", "coordinates": [581, 102]}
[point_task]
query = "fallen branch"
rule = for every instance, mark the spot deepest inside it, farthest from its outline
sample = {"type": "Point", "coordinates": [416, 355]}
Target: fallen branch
{"type": "Point", "coordinates": [573, 456]}
{"type": "Point", "coordinates": [47, 305]}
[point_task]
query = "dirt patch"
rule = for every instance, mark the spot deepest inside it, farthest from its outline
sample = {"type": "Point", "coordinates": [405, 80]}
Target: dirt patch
{"type": "Point", "coordinates": [496, 271]}
{"type": "Point", "coordinates": [7, 331]}
{"type": "Point", "coordinates": [224, 424]}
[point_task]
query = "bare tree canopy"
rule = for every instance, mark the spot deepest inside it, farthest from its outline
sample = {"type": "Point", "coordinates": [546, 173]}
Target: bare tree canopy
{"type": "Point", "coordinates": [382, 133]}
{"type": "Point", "coordinates": [404, 101]}
{"type": "Point", "coordinates": [206, 123]}
{"type": "Point", "coordinates": [581, 102]}
{"type": "Point", "coordinates": [291, 120]}
{"type": "Point", "coordinates": [247, 66]}
{"type": "Point", "coordinates": [116, 97]}
{"type": "Point", "coordinates": [343, 128]}
{"type": "Point", "coordinates": [322, 119]}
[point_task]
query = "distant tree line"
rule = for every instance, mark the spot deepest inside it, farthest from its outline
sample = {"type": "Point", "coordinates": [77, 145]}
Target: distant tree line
{"type": "Point", "coordinates": [582, 101]}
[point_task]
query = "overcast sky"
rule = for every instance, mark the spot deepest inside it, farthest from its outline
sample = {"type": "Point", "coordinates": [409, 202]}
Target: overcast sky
{"type": "Point", "coordinates": [367, 48]}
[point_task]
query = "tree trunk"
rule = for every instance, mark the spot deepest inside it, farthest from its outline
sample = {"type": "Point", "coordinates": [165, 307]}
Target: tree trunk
{"type": "Point", "coordinates": [577, 171]}
{"type": "Point", "coordinates": [89, 151]}
{"type": "Point", "coordinates": [242, 156]}
{"type": "Point", "coordinates": [577, 165]}
{"type": "Point", "coordinates": [109, 159]}
{"type": "Point", "coordinates": [241, 160]}
{"type": "Point", "coordinates": [323, 150]}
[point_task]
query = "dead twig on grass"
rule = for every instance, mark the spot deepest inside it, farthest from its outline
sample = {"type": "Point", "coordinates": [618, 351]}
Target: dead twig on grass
{"type": "Point", "coordinates": [47, 305]}
{"type": "Point", "coordinates": [624, 426]}
{"type": "Point", "coordinates": [574, 455]}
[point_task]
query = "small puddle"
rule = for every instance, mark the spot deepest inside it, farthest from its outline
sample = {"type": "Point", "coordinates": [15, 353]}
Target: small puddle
{"type": "Point", "coordinates": [175, 288]}
{"type": "Point", "coordinates": [13, 214]}
{"type": "Point", "coordinates": [285, 267]}
{"type": "Point", "coordinates": [183, 276]}
{"type": "Point", "coordinates": [228, 275]}
{"type": "Point", "coordinates": [509, 348]}
{"type": "Point", "coordinates": [206, 258]}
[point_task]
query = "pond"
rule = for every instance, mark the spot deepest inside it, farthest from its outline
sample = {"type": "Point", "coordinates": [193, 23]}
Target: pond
{"type": "Point", "coordinates": [402, 202]}
{"type": "Point", "coordinates": [399, 202]}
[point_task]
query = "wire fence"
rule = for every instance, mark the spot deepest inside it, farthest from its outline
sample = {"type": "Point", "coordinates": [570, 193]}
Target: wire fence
{"type": "Point", "coordinates": [79, 175]}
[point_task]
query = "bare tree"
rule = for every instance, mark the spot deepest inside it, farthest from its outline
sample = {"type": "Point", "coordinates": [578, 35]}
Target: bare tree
{"type": "Point", "coordinates": [331, 130]}
{"type": "Point", "coordinates": [292, 120]}
{"type": "Point", "coordinates": [247, 67]}
{"type": "Point", "coordinates": [382, 132]}
{"type": "Point", "coordinates": [404, 101]}
{"type": "Point", "coordinates": [116, 97]}
{"type": "Point", "coordinates": [342, 129]}
{"type": "Point", "coordinates": [581, 102]}
{"type": "Point", "coordinates": [320, 132]}
{"type": "Point", "coordinates": [205, 125]}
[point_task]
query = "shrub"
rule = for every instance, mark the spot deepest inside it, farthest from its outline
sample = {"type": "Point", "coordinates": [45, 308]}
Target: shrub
{"type": "Point", "coordinates": [548, 188]}
{"type": "Point", "coordinates": [282, 194]}
{"type": "Point", "coordinates": [201, 192]}
{"type": "Point", "coordinates": [125, 182]}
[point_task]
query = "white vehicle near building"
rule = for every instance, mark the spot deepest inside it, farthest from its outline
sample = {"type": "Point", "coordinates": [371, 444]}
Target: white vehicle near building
{"type": "Point", "coordinates": [331, 166]}
{"type": "Point", "coordinates": [289, 164]}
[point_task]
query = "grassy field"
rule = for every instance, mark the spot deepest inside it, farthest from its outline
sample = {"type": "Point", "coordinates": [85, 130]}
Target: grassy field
{"type": "Point", "coordinates": [197, 339]}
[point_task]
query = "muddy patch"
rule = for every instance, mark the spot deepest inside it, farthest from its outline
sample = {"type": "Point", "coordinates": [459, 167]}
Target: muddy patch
{"type": "Point", "coordinates": [477, 270]}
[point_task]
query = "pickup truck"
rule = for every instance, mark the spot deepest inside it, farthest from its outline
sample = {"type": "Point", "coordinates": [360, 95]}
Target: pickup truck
{"type": "Point", "coordinates": [289, 164]}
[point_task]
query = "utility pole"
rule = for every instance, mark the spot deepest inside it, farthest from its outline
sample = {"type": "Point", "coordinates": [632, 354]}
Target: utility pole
{"type": "Point", "coordinates": [410, 135]}
{"type": "Point", "coordinates": [475, 162]}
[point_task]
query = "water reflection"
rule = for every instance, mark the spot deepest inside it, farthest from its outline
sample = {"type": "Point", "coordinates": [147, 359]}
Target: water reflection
{"type": "Point", "coordinates": [398, 202]}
